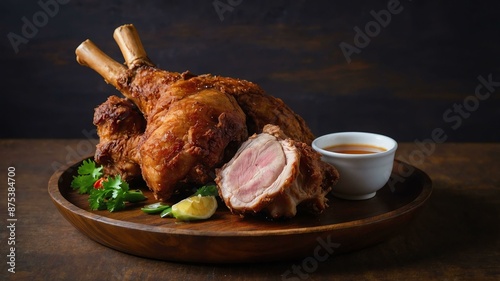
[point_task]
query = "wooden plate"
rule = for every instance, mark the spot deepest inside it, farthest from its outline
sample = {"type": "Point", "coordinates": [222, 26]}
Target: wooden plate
{"type": "Point", "coordinates": [227, 238]}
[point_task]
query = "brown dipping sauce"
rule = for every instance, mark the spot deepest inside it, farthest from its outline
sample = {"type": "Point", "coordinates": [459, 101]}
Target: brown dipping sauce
{"type": "Point", "coordinates": [355, 148]}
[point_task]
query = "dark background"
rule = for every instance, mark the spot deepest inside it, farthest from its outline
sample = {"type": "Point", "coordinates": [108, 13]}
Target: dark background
{"type": "Point", "coordinates": [413, 73]}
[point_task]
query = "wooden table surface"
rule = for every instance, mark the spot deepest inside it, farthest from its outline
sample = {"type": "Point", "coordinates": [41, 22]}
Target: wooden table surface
{"type": "Point", "coordinates": [455, 237]}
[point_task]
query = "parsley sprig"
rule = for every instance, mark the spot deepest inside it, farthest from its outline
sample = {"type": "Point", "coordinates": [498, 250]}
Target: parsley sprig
{"type": "Point", "coordinates": [111, 193]}
{"type": "Point", "coordinates": [207, 190]}
{"type": "Point", "coordinates": [88, 174]}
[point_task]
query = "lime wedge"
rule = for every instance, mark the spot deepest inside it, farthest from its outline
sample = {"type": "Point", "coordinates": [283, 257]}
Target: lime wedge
{"type": "Point", "coordinates": [195, 208]}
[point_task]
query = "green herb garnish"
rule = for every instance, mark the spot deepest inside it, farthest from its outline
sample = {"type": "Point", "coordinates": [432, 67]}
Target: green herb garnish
{"type": "Point", "coordinates": [207, 190]}
{"type": "Point", "coordinates": [88, 174]}
{"type": "Point", "coordinates": [111, 193]}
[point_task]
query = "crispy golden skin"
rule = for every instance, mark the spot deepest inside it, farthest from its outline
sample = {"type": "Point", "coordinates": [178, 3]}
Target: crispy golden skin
{"type": "Point", "coordinates": [176, 128]}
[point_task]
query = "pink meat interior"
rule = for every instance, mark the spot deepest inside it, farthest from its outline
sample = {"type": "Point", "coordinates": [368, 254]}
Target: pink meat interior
{"type": "Point", "coordinates": [256, 168]}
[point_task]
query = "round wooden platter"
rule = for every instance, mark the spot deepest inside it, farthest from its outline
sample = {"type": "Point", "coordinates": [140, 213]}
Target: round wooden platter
{"type": "Point", "coordinates": [227, 238]}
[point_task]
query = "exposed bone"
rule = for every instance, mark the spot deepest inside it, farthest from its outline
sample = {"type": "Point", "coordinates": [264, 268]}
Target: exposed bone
{"type": "Point", "coordinates": [88, 54]}
{"type": "Point", "coordinates": [130, 44]}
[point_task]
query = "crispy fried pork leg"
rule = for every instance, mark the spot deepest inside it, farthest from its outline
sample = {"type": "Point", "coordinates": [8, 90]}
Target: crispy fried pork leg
{"type": "Point", "coordinates": [187, 130]}
{"type": "Point", "coordinates": [193, 123]}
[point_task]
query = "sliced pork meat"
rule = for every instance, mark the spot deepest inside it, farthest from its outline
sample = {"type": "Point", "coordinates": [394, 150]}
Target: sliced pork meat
{"type": "Point", "coordinates": [275, 175]}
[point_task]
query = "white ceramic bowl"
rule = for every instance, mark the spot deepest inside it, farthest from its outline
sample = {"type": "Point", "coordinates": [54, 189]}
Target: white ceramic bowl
{"type": "Point", "coordinates": [361, 175]}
